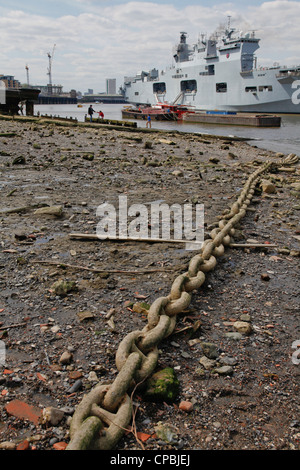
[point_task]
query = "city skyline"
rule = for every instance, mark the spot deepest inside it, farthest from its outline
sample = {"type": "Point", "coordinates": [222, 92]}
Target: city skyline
{"type": "Point", "coordinates": [98, 39]}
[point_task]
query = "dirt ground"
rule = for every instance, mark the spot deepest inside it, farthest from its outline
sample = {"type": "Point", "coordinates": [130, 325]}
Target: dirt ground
{"type": "Point", "coordinates": [254, 405]}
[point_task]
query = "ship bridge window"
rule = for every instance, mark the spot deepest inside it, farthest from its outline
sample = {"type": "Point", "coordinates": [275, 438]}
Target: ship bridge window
{"type": "Point", "coordinates": [221, 87]}
{"type": "Point", "coordinates": [252, 89]}
{"type": "Point", "coordinates": [159, 87]}
{"type": "Point", "coordinates": [209, 70]}
{"type": "Point", "coordinates": [265, 88]}
{"type": "Point", "coordinates": [188, 86]}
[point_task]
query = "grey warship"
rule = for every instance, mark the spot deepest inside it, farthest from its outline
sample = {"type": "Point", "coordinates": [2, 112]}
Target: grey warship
{"type": "Point", "coordinates": [219, 74]}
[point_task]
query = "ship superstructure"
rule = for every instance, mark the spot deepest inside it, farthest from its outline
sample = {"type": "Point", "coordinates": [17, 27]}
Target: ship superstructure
{"type": "Point", "coordinates": [219, 73]}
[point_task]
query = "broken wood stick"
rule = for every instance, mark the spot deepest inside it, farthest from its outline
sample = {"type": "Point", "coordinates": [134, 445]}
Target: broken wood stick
{"type": "Point", "coordinates": [12, 326]}
{"type": "Point", "coordinates": [93, 236]}
{"type": "Point", "coordinates": [98, 270]}
{"type": "Point", "coordinates": [251, 245]}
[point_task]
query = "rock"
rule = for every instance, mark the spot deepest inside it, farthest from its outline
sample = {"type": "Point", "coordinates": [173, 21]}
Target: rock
{"type": "Point", "coordinates": [75, 387]}
{"type": "Point", "coordinates": [162, 386]}
{"type": "Point", "coordinates": [234, 335]}
{"type": "Point", "coordinates": [90, 157]}
{"type": "Point", "coordinates": [166, 432]}
{"type": "Point", "coordinates": [66, 358]}
{"type": "Point", "coordinates": [177, 173]}
{"type": "Point", "coordinates": [62, 287]}
{"type": "Point", "coordinates": [228, 361]}
{"type": "Point", "coordinates": [52, 416]}
{"type": "Point", "coordinates": [265, 277]}
{"type": "Point", "coordinates": [245, 317]}
{"type": "Point", "coordinates": [296, 186]}
{"type": "Point", "coordinates": [210, 350]}
{"type": "Point", "coordinates": [224, 370]}
{"type": "Point", "coordinates": [207, 363]}
{"type": "Point", "coordinates": [87, 315]}
{"type": "Point", "coordinates": [243, 327]}
{"type": "Point", "coordinates": [166, 141]}
{"type": "Point", "coordinates": [19, 160]}
{"type": "Point", "coordinates": [268, 187]}
{"type": "Point", "coordinates": [50, 210]}
{"type": "Point", "coordinates": [92, 377]}
{"type": "Point", "coordinates": [6, 445]}
{"type": "Point", "coordinates": [294, 253]}
{"type": "Point", "coordinates": [186, 406]}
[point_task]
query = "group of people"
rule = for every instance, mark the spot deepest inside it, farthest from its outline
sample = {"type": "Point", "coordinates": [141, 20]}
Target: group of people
{"type": "Point", "coordinates": [91, 111]}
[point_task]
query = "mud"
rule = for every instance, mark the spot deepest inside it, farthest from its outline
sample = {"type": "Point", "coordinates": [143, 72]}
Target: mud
{"type": "Point", "coordinates": [255, 405]}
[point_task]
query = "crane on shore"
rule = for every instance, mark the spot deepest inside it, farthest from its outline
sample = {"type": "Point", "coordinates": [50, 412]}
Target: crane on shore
{"type": "Point", "coordinates": [27, 73]}
{"type": "Point", "coordinates": [50, 57]}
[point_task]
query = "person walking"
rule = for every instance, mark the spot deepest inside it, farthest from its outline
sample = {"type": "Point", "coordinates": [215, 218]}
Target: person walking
{"type": "Point", "coordinates": [91, 111]}
{"type": "Point", "coordinates": [148, 121]}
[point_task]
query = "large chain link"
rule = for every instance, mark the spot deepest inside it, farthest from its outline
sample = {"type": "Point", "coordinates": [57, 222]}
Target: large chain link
{"type": "Point", "coordinates": [104, 414]}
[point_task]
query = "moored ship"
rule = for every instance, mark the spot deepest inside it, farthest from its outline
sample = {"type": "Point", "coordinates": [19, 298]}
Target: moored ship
{"type": "Point", "coordinates": [219, 74]}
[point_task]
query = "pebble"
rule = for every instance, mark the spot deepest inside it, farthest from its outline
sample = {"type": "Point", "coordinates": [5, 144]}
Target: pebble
{"type": "Point", "coordinates": [224, 370]}
{"type": "Point", "coordinates": [210, 350]}
{"type": "Point", "coordinates": [206, 362]}
{"type": "Point", "coordinates": [52, 415]}
{"type": "Point", "coordinates": [186, 406]}
{"type": "Point", "coordinates": [243, 327]}
{"type": "Point", "coordinates": [66, 358]}
{"type": "Point", "coordinates": [6, 445]}
{"type": "Point", "coordinates": [233, 335]}
{"type": "Point", "coordinates": [75, 387]}
{"type": "Point", "coordinates": [229, 361]}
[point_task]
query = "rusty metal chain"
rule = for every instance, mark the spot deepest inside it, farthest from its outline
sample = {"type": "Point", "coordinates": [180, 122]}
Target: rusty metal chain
{"type": "Point", "coordinates": [104, 414]}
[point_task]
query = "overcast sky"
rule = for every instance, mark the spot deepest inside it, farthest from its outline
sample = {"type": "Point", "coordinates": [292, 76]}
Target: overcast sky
{"type": "Point", "coordinates": [99, 39]}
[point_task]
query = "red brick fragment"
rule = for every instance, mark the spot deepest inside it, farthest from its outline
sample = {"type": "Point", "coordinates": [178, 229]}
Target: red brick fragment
{"type": "Point", "coordinates": [60, 445]}
{"type": "Point", "coordinates": [22, 410]}
{"type": "Point", "coordinates": [23, 445]}
{"type": "Point", "coordinates": [186, 406]}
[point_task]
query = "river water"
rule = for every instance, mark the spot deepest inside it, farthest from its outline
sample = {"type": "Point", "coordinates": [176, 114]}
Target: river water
{"type": "Point", "coordinates": [285, 139]}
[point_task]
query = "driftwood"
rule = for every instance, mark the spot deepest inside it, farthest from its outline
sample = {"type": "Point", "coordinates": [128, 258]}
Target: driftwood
{"type": "Point", "coordinates": [92, 236]}
{"type": "Point", "coordinates": [251, 245]}
{"type": "Point", "coordinates": [98, 270]}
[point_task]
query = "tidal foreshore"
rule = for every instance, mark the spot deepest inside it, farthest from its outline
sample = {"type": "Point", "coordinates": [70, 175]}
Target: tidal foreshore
{"type": "Point", "coordinates": [66, 304]}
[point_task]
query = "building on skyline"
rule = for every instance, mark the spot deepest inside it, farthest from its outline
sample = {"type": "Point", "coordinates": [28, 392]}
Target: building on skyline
{"type": "Point", "coordinates": [111, 86]}
{"type": "Point", "coordinates": [10, 81]}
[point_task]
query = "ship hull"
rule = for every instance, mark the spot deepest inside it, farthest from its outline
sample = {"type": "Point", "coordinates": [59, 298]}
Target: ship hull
{"type": "Point", "coordinates": [220, 82]}
{"type": "Point", "coordinates": [282, 97]}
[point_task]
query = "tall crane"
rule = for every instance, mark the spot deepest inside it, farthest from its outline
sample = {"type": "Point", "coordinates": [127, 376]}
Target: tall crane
{"type": "Point", "coordinates": [50, 57]}
{"type": "Point", "coordinates": [27, 73]}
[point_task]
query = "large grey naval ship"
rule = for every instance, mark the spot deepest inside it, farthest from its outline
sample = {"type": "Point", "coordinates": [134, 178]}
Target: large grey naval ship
{"type": "Point", "coordinates": [219, 74]}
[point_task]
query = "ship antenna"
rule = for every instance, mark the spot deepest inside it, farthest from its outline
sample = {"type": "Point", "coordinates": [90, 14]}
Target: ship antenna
{"type": "Point", "coordinates": [228, 22]}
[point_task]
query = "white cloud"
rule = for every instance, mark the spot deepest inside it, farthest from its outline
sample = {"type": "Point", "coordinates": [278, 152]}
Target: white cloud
{"type": "Point", "coordinates": [117, 40]}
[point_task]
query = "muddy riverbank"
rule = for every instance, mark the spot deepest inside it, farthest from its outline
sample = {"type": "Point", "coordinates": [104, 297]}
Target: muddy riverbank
{"type": "Point", "coordinates": [57, 347]}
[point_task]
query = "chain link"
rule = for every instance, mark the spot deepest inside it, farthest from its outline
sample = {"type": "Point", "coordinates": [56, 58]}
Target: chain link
{"type": "Point", "coordinates": [103, 415]}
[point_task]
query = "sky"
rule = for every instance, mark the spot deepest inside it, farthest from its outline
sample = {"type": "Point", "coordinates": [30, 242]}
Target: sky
{"type": "Point", "coordinates": [99, 39]}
